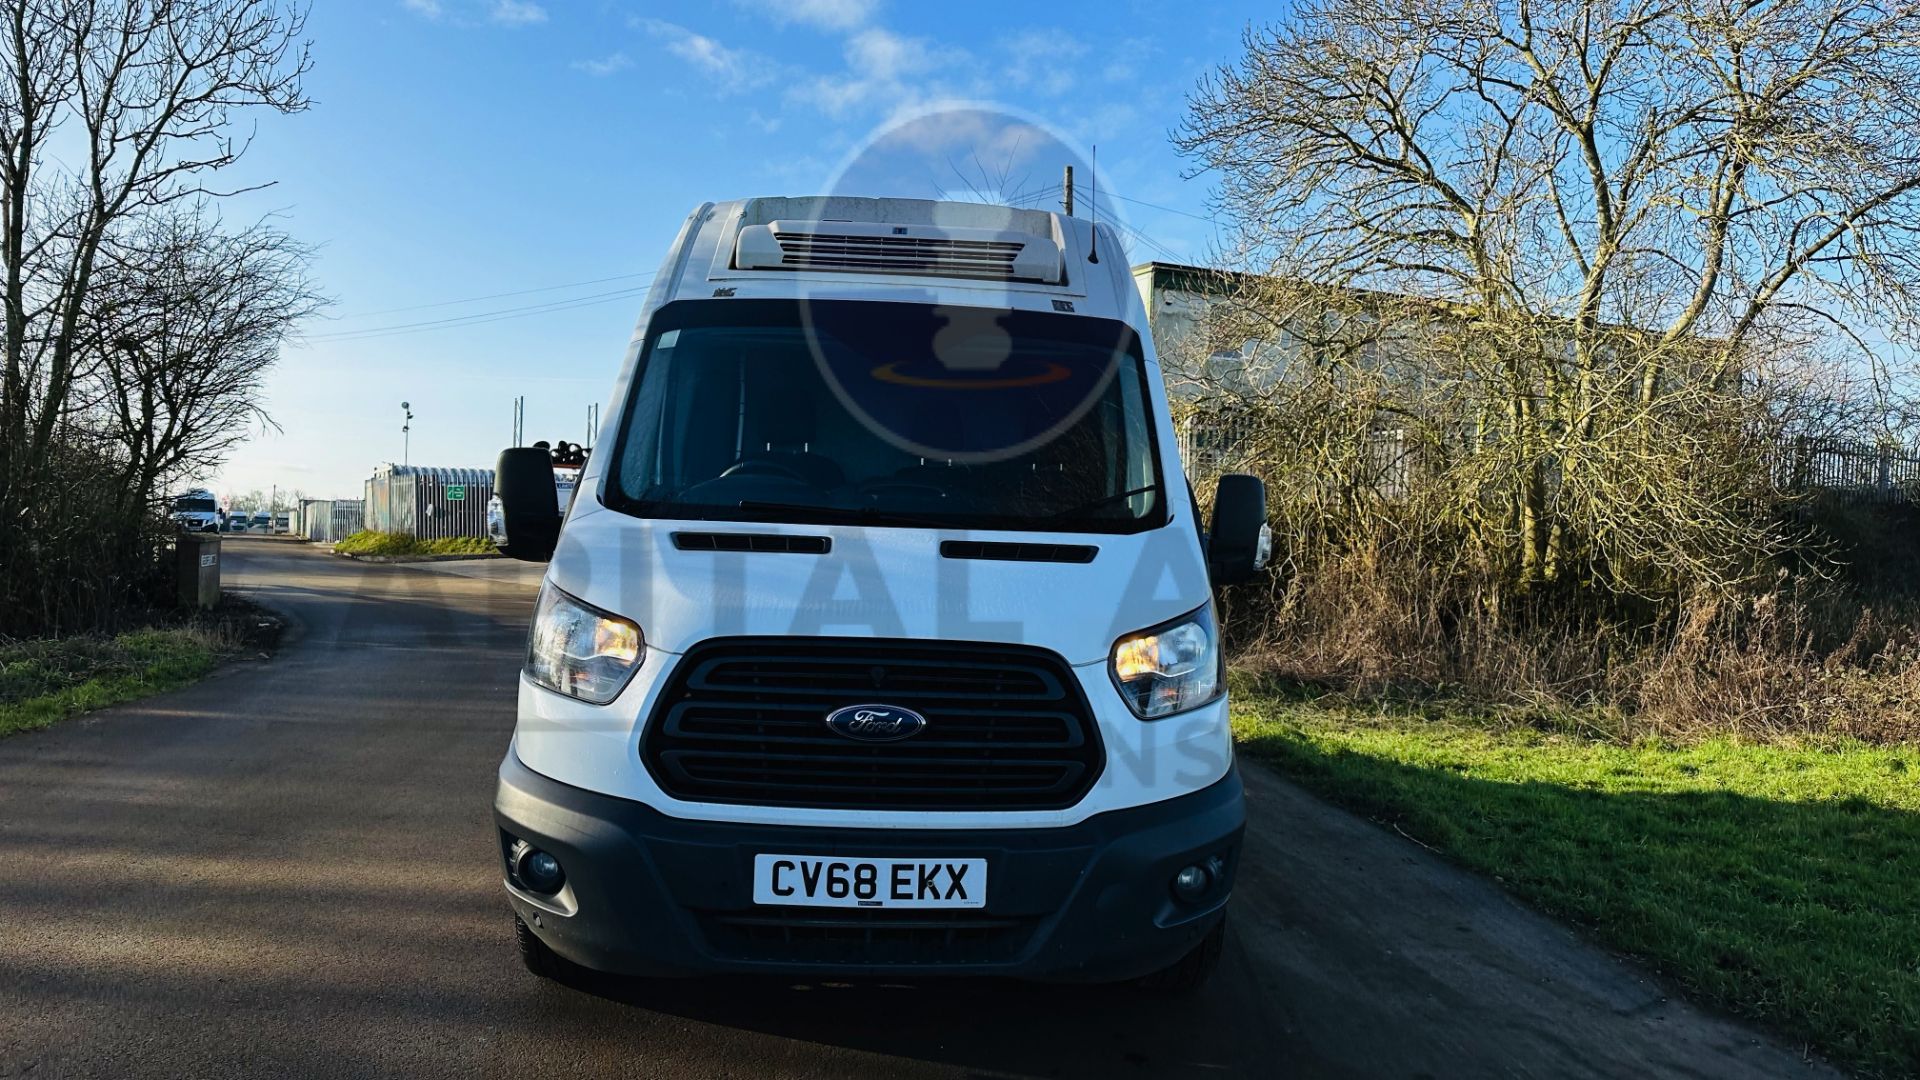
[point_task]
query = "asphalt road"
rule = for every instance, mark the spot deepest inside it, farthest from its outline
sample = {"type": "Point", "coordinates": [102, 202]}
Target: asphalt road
{"type": "Point", "coordinates": [288, 870]}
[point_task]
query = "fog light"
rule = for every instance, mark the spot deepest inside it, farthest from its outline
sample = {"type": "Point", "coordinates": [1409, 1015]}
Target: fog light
{"type": "Point", "coordinates": [1191, 883]}
{"type": "Point", "coordinates": [536, 870]}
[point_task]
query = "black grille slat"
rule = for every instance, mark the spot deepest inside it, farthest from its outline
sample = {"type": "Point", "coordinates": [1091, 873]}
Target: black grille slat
{"type": "Point", "coordinates": [761, 785]}
{"type": "Point", "coordinates": [696, 721]}
{"type": "Point", "coordinates": [999, 551]}
{"type": "Point", "coordinates": [904, 678]}
{"type": "Point", "coordinates": [767, 542]}
{"type": "Point", "coordinates": [743, 720]}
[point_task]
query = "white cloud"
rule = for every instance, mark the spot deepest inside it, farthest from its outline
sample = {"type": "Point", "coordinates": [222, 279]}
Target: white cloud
{"type": "Point", "coordinates": [604, 66]}
{"type": "Point", "coordinates": [733, 70]}
{"type": "Point", "coordinates": [882, 67]}
{"type": "Point", "coordinates": [472, 12]}
{"type": "Point", "coordinates": [1042, 60]}
{"type": "Point", "coordinates": [883, 54]}
{"type": "Point", "coordinates": [833, 94]}
{"type": "Point", "coordinates": [516, 12]}
{"type": "Point", "coordinates": [824, 14]}
{"type": "Point", "coordinates": [1126, 59]}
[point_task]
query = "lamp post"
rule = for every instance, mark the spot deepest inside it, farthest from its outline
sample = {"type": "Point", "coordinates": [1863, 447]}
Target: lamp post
{"type": "Point", "coordinates": [406, 435]}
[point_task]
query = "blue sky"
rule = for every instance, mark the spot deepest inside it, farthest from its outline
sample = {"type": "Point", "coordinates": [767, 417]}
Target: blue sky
{"type": "Point", "coordinates": [461, 149]}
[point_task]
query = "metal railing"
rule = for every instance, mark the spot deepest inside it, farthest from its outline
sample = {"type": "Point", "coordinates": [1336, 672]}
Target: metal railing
{"type": "Point", "coordinates": [1213, 442]}
{"type": "Point", "coordinates": [1852, 468]}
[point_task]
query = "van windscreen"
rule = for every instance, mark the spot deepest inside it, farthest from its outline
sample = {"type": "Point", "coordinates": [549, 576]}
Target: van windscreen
{"type": "Point", "coordinates": [889, 413]}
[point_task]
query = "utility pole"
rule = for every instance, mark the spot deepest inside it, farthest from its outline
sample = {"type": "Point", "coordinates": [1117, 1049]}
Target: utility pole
{"type": "Point", "coordinates": [406, 435]}
{"type": "Point", "coordinates": [1066, 186]}
{"type": "Point", "coordinates": [520, 420]}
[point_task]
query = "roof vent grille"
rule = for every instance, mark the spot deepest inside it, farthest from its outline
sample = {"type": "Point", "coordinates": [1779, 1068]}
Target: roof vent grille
{"type": "Point", "coordinates": [851, 247]}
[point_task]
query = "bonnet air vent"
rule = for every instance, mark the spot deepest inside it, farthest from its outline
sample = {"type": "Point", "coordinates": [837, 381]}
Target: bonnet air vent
{"type": "Point", "coordinates": [1003, 552]}
{"type": "Point", "coordinates": [854, 247]}
{"type": "Point", "coordinates": [777, 542]}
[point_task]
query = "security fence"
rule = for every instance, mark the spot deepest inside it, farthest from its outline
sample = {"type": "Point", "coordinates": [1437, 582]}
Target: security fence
{"type": "Point", "coordinates": [1851, 468]}
{"type": "Point", "coordinates": [1213, 442]}
{"type": "Point", "coordinates": [1219, 441]}
{"type": "Point", "coordinates": [428, 502]}
{"type": "Point", "coordinates": [328, 520]}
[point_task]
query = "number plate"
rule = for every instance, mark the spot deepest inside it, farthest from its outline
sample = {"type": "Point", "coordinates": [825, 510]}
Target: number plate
{"type": "Point", "coordinates": [827, 881]}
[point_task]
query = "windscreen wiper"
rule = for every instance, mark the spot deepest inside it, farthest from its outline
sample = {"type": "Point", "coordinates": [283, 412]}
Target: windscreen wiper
{"type": "Point", "coordinates": [858, 515]}
{"type": "Point", "coordinates": [1095, 504]}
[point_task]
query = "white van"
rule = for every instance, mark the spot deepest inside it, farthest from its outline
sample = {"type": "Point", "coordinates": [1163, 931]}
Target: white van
{"type": "Point", "coordinates": [879, 638]}
{"type": "Point", "coordinates": [196, 511]}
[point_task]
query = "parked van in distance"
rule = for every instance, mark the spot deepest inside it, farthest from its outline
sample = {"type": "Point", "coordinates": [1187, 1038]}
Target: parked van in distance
{"type": "Point", "coordinates": [879, 637]}
{"type": "Point", "coordinates": [196, 511]}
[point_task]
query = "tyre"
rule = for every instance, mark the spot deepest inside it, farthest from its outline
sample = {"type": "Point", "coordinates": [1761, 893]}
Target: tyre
{"type": "Point", "coordinates": [534, 953]}
{"type": "Point", "coordinates": [1189, 973]}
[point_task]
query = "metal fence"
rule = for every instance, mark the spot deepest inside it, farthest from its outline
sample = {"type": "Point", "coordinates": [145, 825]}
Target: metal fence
{"type": "Point", "coordinates": [1217, 442]}
{"type": "Point", "coordinates": [328, 520]}
{"type": "Point", "coordinates": [1222, 441]}
{"type": "Point", "coordinates": [1851, 468]}
{"type": "Point", "coordinates": [428, 502]}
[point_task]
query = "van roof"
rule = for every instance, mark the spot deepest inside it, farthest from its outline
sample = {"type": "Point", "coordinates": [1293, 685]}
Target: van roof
{"type": "Point", "coordinates": [912, 250]}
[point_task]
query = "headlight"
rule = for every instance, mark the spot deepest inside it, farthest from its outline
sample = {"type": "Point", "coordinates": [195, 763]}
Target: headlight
{"type": "Point", "coordinates": [580, 651]}
{"type": "Point", "coordinates": [1169, 668]}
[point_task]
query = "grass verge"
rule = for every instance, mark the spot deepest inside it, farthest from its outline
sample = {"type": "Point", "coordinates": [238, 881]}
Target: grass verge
{"type": "Point", "coordinates": [393, 543]}
{"type": "Point", "coordinates": [42, 681]}
{"type": "Point", "coordinates": [1781, 882]}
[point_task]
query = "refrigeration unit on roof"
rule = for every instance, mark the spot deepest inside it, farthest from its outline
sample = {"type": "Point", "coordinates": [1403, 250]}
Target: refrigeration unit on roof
{"type": "Point", "coordinates": [856, 247]}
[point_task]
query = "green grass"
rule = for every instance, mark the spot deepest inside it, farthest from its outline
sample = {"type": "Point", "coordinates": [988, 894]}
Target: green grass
{"type": "Point", "coordinates": [46, 680]}
{"type": "Point", "coordinates": [1779, 882]}
{"type": "Point", "coordinates": [393, 543]}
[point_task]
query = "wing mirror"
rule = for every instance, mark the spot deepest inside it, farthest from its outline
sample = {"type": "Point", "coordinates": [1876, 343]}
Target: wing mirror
{"type": "Point", "coordinates": [1239, 542]}
{"type": "Point", "coordinates": [529, 522]}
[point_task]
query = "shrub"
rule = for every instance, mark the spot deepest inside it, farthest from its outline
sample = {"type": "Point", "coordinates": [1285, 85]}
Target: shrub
{"type": "Point", "coordinates": [367, 542]}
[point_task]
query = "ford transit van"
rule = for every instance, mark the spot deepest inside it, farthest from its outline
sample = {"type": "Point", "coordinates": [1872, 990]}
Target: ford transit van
{"type": "Point", "coordinates": [878, 639]}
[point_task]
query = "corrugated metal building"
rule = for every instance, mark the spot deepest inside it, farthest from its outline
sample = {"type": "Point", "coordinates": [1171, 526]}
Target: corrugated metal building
{"type": "Point", "coordinates": [429, 502]}
{"type": "Point", "coordinates": [327, 520]}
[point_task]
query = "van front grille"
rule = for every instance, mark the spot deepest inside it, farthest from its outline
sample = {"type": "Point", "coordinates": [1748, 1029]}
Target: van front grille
{"type": "Point", "coordinates": [743, 720]}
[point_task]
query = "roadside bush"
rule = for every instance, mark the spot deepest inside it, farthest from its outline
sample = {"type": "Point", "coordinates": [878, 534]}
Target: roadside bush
{"type": "Point", "coordinates": [368, 542]}
{"type": "Point", "coordinates": [1804, 655]}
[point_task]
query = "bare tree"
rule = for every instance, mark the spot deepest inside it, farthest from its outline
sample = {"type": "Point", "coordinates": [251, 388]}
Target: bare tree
{"type": "Point", "coordinates": [144, 97]}
{"type": "Point", "coordinates": [1615, 213]}
{"type": "Point", "coordinates": [186, 319]}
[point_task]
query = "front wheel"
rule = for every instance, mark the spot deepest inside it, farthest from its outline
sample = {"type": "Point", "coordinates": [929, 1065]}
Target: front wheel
{"type": "Point", "coordinates": [534, 953]}
{"type": "Point", "coordinates": [1189, 973]}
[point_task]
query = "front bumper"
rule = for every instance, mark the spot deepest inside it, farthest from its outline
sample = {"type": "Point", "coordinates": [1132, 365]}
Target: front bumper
{"type": "Point", "coordinates": [653, 895]}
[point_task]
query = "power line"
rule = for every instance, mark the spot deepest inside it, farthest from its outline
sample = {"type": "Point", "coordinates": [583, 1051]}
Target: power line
{"type": "Point", "coordinates": [1167, 209]}
{"type": "Point", "coordinates": [1033, 194]}
{"type": "Point", "coordinates": [1140, 234]}
{"type": "Point", "coordinates": [477, 318]}
{"type": "Point", "coordinates": [490, 296]}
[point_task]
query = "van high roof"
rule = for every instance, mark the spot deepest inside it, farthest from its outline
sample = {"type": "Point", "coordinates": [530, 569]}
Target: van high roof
{"type": "Point", "coordinates": [917, 250]}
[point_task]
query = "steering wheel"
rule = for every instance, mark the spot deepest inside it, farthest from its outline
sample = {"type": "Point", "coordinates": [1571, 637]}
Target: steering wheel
{"type": "Point", "coordinates": [763, 467]}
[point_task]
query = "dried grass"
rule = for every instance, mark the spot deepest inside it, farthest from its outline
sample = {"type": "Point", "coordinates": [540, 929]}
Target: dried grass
{"type": "Point", "coordinates": [1804, 658]}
